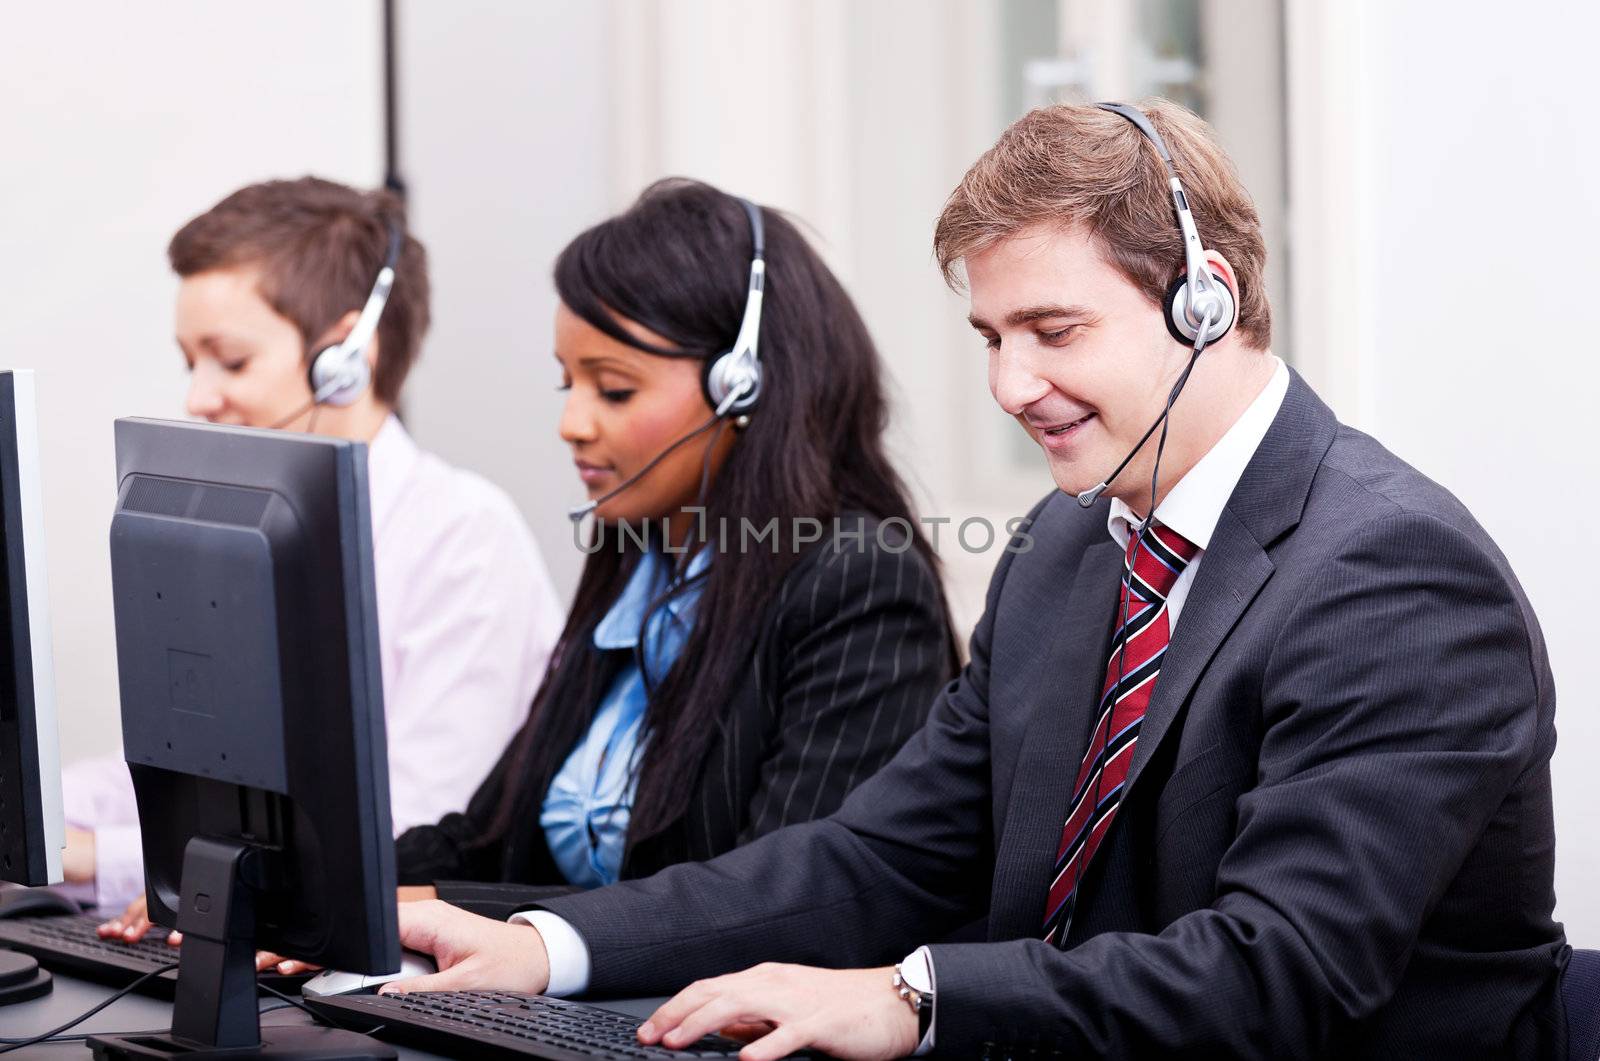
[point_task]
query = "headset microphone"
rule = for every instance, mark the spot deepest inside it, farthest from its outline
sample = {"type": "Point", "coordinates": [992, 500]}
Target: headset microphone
{"type": "Point", "coordinates": [1202, 337]}
{"type": "Point", "coordinates": [1198, 307]}
{"type": "Point", "coordinates": [577, 512]}
{"type": "Point", "coordinates": [1197, 303]}
{"type": "Point", "coordinates": [732, 379]}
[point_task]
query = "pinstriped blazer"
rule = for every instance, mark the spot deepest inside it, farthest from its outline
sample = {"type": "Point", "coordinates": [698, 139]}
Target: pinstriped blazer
{"type": "Point", "coordinates": [843, 670]}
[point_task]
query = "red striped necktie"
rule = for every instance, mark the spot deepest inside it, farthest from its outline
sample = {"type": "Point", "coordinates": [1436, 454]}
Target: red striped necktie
{"type": "Point", "coordinates": [1130, 679]}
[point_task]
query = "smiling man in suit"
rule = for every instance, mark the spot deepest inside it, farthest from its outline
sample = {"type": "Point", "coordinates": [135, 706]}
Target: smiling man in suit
{"type": "Point", "coordinates": [1268, 779]}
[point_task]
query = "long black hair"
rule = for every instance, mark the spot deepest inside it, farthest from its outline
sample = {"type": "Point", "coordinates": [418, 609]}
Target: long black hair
{"type": "Point", "coordinates": [678, 262]}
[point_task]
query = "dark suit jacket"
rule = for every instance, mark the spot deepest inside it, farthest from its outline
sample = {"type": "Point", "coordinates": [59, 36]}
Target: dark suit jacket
{"type": "Point", "coordinates": [843, 669]}
{"type": "Point", "coordinates": [1337, 840]}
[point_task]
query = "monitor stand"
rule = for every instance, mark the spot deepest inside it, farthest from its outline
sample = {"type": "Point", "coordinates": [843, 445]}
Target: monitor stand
{"type": "Point", "coordinates": [21, 978]}
{"type": "Point", "coordinates": [215, 1013]}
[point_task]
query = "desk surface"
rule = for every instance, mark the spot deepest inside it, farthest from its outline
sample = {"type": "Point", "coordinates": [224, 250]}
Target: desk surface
{"type": "Point", "coordinates": [139, 1013]}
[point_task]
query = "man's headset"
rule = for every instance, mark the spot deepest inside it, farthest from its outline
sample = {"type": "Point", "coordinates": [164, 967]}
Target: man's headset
{"type": "Point", "coordinates": [339, 373]}
{"type": "Point", "coordinates": [732, 379]}
{"type": "Point", "coordinates": [1198, 309]}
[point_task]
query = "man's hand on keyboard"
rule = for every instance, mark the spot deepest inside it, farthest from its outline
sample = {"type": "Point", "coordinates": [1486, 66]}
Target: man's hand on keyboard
{"type": "Point", "coordinates": [472, 952]}
{"type": "Point", "coordinates": [846, 1013]}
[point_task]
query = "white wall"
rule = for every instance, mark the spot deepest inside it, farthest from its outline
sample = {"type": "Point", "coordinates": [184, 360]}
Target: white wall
{"type": "Point", "coordinates": [505, 111]}
{"type": "Point", "coordinates": [116, 126]}
{"type": "Point", "coordinates": [1471, 174]}
{"type": "Point", "coordinates": [858, 119]}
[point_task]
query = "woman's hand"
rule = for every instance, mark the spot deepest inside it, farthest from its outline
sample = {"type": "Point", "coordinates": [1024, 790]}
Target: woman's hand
{"type": "Point", "coordinates": [133, 924]}
{"type": "Point", "coordinates": [407, 893]}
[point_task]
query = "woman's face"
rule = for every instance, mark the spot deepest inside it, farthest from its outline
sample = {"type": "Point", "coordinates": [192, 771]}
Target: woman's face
{"type": "Point", "coordinates": [624, 407]}
{"type": "Point", "coordinates": [246, 363]}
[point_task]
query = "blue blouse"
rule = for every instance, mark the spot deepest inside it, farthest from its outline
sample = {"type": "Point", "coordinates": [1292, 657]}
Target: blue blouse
{"type": "Point", "coordinates": [586, 809]}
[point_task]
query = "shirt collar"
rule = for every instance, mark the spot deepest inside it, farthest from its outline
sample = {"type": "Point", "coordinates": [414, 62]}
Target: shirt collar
{"type": "Point", "coordinates": [1195, 503]}
{"type": "Point", "coordinates": [621, 625]}
{"type": "Point", "coordinates": [391, 455]}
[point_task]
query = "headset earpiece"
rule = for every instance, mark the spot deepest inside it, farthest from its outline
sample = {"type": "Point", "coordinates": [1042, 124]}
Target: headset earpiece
{"type": "Point", "coordinates": [1183, 323]}
{"type": "Point", "coordinates": [339, 373]}
{"type": "Point", "coordinates": [732, 380]}
{"type": "Point", "coordinates": [727, 373]}
{"type": "Point", "coordinates": [336, 378]}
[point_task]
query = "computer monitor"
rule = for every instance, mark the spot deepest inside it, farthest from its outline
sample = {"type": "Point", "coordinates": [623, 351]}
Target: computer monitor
{"type": "Point", "coordinates": [252, 720]}
{"type": "Point", "coordinates": [32, 830]}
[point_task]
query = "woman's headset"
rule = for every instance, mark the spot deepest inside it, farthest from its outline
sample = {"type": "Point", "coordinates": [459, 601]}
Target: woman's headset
{"type": "Point", "coordinates": [732, 380]}
{"type": "Point", "coordinates": [339, 372]}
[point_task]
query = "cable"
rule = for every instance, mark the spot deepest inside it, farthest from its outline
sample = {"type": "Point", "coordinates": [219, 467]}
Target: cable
{"type": "Point", "coordinates": [296, 1003]}
{"type": "Point", "coordinates": [17, 1044]}
{"type": "Point", "coordinates": [297, 414]}
{"type": "Point", "coordinates": [54, 1035]}
{"type": "Point", "coordinates": [577, 513]}
{"type": "Point", "coordinates": [1201, 338]}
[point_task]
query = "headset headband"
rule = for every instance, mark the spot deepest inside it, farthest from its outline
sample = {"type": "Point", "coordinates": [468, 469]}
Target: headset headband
{"type": "Point", "coordinates": [1204, 295]}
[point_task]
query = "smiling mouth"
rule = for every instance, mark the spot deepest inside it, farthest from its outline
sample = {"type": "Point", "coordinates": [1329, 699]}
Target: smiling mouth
{"type": "Point", "coordinates": [1057, 432]}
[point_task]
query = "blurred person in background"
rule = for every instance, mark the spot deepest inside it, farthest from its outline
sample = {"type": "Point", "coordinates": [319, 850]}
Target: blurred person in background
{"type": "Point", "coordinates": [272, 274]}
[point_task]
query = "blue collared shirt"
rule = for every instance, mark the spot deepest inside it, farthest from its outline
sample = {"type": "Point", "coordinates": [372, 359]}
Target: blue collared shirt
{"type": "Point", "coordinates": [586, 810]}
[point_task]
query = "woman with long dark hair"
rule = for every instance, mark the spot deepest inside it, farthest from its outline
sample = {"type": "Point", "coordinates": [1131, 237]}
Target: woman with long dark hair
{"type": "Point", "coordinates": [759, 625]}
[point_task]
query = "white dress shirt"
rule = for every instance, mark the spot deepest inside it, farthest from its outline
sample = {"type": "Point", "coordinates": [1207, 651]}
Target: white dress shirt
{"type": "Point", "coordinates": [467, 617]}
{"type": "Point", "coordinates": [1191, 507]}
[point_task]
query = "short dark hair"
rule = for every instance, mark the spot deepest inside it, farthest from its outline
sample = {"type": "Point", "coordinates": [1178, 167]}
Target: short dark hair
{"type": "Point", "coordinates": [319, 246]}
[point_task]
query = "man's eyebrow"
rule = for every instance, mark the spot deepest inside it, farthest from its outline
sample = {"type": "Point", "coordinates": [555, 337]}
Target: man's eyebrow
{"type": "Point", "coordinates": [1029, 314]}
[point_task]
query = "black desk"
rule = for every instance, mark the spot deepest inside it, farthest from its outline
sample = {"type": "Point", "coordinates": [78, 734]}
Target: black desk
{"type": "Point", "coordinates": [139, 1013]}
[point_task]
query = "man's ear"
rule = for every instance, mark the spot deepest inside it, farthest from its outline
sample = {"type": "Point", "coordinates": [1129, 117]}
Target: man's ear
{"type": "Point", "coordinates": [1220, 265]}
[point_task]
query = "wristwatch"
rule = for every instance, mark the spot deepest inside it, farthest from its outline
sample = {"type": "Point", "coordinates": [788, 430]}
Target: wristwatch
{"type": "Point", "coordinates": [917, 995]}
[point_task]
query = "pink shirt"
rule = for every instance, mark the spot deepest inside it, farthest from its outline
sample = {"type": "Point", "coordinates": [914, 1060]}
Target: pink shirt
{"type": "Point", "coordinates": [467, 617]}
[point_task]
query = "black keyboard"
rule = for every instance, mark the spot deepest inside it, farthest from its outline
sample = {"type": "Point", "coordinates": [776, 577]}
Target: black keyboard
{"type": "Point", "coordinates": [502, 1024]}
{"type": "Point", "coordinates": [68, 943]}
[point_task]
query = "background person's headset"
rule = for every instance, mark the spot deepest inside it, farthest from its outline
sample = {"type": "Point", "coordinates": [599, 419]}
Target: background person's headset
{"type": "Point", "coordinates": [339, 373]}
{"type": "Point", "coordinates": [731, 380]}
